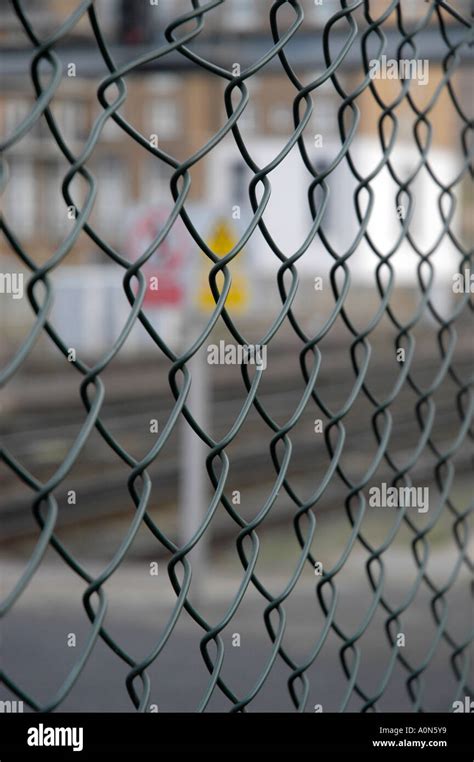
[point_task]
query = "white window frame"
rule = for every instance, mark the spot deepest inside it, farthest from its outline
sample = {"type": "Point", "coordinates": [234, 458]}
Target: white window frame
{"type": "Point", "coordinates": [164, 118]}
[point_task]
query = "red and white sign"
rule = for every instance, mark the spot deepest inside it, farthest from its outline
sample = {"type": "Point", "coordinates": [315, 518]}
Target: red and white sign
{"type": "Point", "coordinates": [164, 270]}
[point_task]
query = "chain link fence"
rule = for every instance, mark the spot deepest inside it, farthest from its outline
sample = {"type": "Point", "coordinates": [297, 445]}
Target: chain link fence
{"type": "Point", "coordinates": [386, 43]}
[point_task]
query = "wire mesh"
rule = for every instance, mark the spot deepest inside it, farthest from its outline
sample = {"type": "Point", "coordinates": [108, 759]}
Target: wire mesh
{"type": "Point", "coordinates": [180, 35]}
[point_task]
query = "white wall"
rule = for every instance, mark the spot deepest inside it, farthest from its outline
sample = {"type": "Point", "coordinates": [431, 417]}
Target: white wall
{"type": "Point", "coordinates": [288, 219]}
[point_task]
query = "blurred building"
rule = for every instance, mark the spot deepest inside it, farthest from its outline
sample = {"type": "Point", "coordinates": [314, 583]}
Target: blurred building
{"type": "Point", "coordinates": [184, 108]}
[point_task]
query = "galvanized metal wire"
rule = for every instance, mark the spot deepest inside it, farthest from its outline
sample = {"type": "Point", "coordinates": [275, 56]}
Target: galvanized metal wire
{"type": "Point", "coordinates": [40, 293]}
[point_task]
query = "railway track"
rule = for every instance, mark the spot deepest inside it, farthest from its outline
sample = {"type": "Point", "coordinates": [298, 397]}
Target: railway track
{"type": "Point", "coordinates": [41, 440]}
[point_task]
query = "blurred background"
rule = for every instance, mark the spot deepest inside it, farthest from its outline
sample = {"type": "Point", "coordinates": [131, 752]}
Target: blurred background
{"type": "Point", "coordinates": [181, 106]}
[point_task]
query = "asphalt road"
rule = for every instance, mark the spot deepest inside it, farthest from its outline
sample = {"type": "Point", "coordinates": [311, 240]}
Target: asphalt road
{"type": "Point", "coordinates": [35, 651]}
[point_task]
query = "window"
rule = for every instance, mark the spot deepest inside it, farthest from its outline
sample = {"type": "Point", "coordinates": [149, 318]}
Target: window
{"type": "Point", "coordinates": [54, 215]}
{"type": "Point", "coordinates": [71, 118]}
{"type": "Point", "coordinates": [164, 118]}
{"type": "Point", "coordinates": [106, 11]}
{"type": "Point", "coordinates": [248, 120]}
{"type": "Point", "coordinates": [323, 10]}
{"type": "Point", "coordinates": [21, 197]}
{"type": "Point", "coordinates": [242, 15]}
{"type": "Point", "coordinates": [15, 111]}
{"type": "Point", "coordinates": [155, 182]}
{"type": "Point", "coordinates": [111, 198]}
{"type": "Point", "coordinates": [111, 130]}
{"type": "Point", "coordinates": [280, 117]}
{"type": "Point", "coordinates": [324, 117]}
{"type": "Point", "coordinates": [412, 11]}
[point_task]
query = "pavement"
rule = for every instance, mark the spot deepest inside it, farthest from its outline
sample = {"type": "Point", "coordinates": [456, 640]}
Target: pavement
{"type": "Point", "coordinates": [35, 635]}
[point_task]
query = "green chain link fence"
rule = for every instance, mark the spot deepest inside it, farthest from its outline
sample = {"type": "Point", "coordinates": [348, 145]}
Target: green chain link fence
{"type": "Point", "coordinates": [364, 37]}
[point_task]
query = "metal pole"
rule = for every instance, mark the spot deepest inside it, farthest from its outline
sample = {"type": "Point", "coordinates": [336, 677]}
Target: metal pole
{"type": "Point", "coordinates": [194, 487]}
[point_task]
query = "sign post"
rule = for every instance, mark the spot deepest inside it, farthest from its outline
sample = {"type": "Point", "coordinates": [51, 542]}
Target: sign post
{"type": "Point", "coordinates": [194, 493]}
{"type": "Point", "coordinates": [194, 500]}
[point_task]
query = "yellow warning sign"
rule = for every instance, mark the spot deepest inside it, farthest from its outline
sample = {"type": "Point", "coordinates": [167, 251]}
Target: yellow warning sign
{"type": "Point", "coordinates": [221, 241]}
